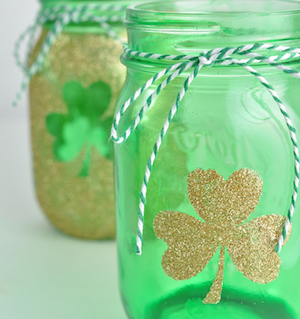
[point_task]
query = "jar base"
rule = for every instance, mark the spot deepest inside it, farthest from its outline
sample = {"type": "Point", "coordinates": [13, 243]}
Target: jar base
{"type": "Point", "coordinates": [187, 304]}
{"type": "Point", "coordinates": [101, 227]}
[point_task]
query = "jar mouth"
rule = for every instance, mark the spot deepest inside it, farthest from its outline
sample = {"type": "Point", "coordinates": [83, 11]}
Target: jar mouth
{"type": "Point", "coordinates": [191, 27]}
{"type": "Point", "coordinates": [191, 11]}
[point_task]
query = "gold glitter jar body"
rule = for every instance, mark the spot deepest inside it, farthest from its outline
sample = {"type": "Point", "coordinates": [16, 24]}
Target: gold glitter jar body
{"type": "Point", "coordinates": [222, 181]}
{"type": "Point", "coordinates": [73, 168]}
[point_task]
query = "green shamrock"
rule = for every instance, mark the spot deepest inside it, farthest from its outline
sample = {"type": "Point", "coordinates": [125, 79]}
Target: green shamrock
{"type": "Point", "coordinates": [83, 126]}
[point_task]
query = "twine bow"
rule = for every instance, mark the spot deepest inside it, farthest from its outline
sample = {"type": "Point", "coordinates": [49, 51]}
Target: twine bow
{"type": "Point", "coordinates": [61, 15]}
{"type": "Point", "coordinates": [219, 56]}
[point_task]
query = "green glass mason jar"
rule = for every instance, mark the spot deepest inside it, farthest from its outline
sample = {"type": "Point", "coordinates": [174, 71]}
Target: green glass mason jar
{"type": "Point", "coordinates": [216, 210]}
{"type": "Point", "coordinates": [72, 99]}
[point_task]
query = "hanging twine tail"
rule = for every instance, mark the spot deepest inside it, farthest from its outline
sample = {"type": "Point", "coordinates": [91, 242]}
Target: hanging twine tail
{"type": "Point", "coordinates": [61, 16]}
{"type": "Point", "coordinates": [174, 109]}
{"type": "Point", "coordinates": [219, 56]}
{"type": "Point", "coordinates": [50, 39]}
{"type": "Point", "coordinates": [289, 53]}
{"type": "Point", "coordinates": [292, 132]}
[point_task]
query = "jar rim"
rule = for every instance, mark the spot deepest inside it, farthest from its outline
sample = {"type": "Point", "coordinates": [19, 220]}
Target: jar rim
{"type": "Point", "coordinates": [191, 11]}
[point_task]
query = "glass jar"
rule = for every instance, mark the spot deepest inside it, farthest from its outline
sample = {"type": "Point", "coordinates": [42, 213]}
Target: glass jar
{"type": "Point", "coordinates": [222, 180]}
{"type": "Point", "coordinates": [72, 99]}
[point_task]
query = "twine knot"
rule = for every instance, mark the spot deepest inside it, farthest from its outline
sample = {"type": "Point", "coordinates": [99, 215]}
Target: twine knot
{"type": "Point", "coordinates": [208, 61]}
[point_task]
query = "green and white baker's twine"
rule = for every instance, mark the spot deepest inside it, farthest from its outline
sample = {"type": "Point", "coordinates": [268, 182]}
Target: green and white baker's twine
{"type": "Point", "coordinates": [219, 56]}
{"type": "Point", "coordinates": [61, 15]}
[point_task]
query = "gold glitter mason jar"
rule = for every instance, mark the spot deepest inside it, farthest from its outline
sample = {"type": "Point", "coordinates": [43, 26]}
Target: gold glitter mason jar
{"type": "Point", "coordinates": [72, 97]}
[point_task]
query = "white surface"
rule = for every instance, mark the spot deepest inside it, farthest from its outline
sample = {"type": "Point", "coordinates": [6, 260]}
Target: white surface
{"type": "Point", "coordinates": [43, 273]}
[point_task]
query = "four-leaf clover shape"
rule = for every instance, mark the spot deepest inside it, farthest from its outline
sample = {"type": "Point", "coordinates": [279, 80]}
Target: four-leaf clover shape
{"type": "Point", "coordinates": [224, 206]}
{"type": "Point", "coordinates": [83, 126]}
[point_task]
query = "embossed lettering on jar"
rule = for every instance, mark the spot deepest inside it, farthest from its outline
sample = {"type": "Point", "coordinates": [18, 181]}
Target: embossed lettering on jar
{"type": "Point", "coordinates": [210, 218]}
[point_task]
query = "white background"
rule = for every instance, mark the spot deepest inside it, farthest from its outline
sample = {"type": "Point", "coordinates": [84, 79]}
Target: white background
{"type": "Point", "coordinates": [15, 16]}
{"type": "Point", "coordinates": [44, 274]}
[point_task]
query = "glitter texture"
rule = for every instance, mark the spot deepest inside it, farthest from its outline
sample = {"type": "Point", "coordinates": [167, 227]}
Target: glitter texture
{"type": "Point", "coordinates": [80, 206]}
{"type": "Point", "coordinates": [224, 206]}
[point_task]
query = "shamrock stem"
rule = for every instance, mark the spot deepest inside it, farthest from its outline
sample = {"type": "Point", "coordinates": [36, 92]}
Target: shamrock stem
{"type": "Point", "coordinates": [86, 164]}
{"type": "Point", "coordinates": [214, 294]}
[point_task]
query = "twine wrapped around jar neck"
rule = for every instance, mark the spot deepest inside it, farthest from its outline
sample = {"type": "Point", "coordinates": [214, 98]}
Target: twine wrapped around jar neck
{"type": "Point", "coordinates": [218, 56]}
{"type": "Point", "coordinates": [61, 16]}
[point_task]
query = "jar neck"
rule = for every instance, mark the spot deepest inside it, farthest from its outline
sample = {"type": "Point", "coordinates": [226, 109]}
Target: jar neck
{"type": "Point", "coordinates": [74, 3]}
{"type": "Point", "coordinates": [114, 9]}
{"type": "Point", "coordinates": [98, 8]}
{"type": "Point", "coordinates": [193, 27]}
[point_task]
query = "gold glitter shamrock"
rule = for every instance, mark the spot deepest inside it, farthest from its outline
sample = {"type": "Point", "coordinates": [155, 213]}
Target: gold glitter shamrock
{"type": "Point", "coordinates": [224, 206]}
